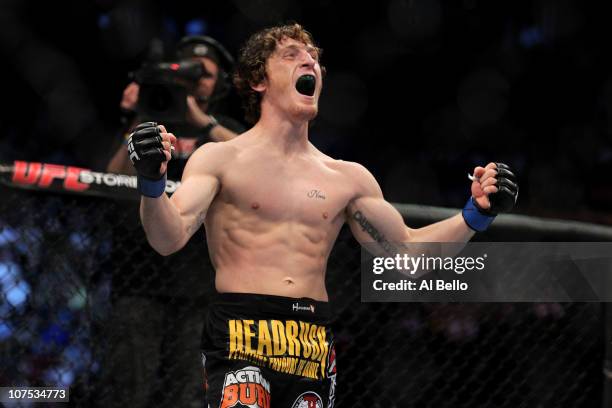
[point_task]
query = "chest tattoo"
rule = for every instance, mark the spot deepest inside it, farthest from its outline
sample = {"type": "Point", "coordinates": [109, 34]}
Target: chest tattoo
{"type": "Point", "coordinates": [318, 194]}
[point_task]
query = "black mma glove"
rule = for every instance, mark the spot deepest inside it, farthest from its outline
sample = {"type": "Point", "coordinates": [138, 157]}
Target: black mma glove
{"type": "Point", "coordinates": [147, 154]}
{"type": "Point", "coordinates": [501, 201]}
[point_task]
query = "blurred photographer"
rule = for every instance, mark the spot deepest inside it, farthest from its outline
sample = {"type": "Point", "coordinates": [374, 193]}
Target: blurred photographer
{"type": "Point", "coordinates": [158, 303]}
{"type": "Point", "coordinates": [182, 93]}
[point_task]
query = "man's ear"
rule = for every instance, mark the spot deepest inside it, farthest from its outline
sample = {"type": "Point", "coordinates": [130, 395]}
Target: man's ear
{"type": "Point", "coordinates": [260, 87]}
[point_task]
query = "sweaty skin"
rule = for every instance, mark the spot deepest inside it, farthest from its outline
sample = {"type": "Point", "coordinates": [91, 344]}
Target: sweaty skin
{"type": "Point", "coordinates": [273, 205]}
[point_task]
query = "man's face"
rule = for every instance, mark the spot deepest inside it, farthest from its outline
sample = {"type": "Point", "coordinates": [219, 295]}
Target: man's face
{"type": "Point", "coordinates": [293, 61]}
{"type": "Point", "coordinates": [206, 84]}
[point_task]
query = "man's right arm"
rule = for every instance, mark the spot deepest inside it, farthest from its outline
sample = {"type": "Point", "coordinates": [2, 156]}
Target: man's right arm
{"type": "Point", "coordinates": [170, 222]}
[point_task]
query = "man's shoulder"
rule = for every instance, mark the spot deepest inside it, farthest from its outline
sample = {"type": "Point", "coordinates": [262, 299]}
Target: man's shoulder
{"type": "Point", "coordinates": [222, 153]}
{"type": "Point", "coordinates": [215, 149]}
{"type": "Point", "coordinates": [212, 157]}
{"type": "Point", "coordinates": [357, 176]}
{"type": "Point", "coordinates": [348, 168]}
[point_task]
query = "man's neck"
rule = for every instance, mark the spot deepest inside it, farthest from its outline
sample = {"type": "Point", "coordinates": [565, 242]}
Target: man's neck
{"type": "Point", "coordinates": [289, 136]}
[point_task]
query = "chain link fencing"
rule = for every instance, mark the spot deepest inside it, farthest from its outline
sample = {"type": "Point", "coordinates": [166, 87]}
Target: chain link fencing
{"type": "Point", "coordinates": [85, 303]}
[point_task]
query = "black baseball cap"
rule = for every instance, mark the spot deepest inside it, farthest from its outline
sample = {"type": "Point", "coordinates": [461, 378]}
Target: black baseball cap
{"type": "Point", "coordinates": [202, 46]}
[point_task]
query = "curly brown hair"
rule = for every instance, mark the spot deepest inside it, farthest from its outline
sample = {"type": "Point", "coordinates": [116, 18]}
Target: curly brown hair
{"type": "Point", "coordinates": [251, 69]}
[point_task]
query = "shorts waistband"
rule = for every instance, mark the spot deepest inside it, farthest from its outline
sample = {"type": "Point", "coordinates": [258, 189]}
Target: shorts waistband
{"type": "Point", "coordinates": [306, 308]}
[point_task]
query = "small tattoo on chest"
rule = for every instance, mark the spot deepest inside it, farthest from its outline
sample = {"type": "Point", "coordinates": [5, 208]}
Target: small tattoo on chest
{"type": "Point", "coordinates": [316, 194]}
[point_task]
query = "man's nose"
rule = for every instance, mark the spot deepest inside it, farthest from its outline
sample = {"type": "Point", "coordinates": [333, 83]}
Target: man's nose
{"type": "Point", "coordinates": [307, 60]}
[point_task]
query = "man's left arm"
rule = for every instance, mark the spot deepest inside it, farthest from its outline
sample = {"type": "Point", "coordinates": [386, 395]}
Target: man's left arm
{"type": "Point", "coordinates": [372, 219]}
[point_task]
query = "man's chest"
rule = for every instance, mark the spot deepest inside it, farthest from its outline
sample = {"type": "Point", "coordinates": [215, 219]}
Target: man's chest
{"type": "Point", "coordinates": [308, 194]}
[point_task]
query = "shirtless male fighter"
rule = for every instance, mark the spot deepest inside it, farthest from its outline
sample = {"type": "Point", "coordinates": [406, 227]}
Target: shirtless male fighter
{"type": "Point", "coordinates": [272, 206]}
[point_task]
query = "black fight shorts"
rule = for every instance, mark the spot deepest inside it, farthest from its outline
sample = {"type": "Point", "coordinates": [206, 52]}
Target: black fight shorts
{"type": "Point", "coordinates": [262, 351]}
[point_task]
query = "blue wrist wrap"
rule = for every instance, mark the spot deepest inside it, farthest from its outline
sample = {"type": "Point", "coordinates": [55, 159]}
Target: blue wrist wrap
{"type": "Point", "coordinates": [476, 220]}
{"type": "Point", "coordinates": [151, 188]}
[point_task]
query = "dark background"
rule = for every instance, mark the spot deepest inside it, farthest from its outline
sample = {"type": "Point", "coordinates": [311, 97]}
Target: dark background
{"type": "Point", "coordinates": [419, 91]}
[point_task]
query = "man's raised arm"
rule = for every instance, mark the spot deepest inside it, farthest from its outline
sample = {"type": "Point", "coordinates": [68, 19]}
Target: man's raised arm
{"type": "Point", "coordinates": [170, 222]}
{"type": "Point", "coordinates": [372, 219]}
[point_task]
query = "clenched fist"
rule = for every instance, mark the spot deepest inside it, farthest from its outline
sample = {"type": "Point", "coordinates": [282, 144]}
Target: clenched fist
{"type": "Point", "coordinates": [494, 190]}
{"type": "Point", "coordinates": [150, 147]}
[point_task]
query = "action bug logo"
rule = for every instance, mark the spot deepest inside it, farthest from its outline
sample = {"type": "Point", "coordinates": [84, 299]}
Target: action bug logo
{"type": "Point", "coordinates": [245, 388]}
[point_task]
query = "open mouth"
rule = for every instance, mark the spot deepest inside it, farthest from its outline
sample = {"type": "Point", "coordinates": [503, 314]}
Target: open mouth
{"type": "Point", "coordinates": [306, 85]}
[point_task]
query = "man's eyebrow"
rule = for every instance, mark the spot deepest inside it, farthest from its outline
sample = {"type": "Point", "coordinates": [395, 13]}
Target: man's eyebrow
{"type": "Point", "coordinates": [289, 47]}
{"type": "Point", "coordinates": [311, 48]}
{"type": "Point", "coordinates": [308, 48]}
